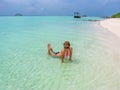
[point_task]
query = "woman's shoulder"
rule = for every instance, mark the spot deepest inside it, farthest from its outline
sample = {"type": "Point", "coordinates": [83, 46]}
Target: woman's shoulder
{"type": "Point", "coordinates": [71, 48]}
{"type": "Point", "coordinates": [62, 50]}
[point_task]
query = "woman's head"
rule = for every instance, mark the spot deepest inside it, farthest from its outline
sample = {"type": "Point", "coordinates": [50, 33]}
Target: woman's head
{"type": "Point", "coordinates": [66, 44]}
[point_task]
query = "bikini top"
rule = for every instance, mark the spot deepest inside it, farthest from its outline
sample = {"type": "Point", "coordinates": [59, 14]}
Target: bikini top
{"type": "Point", "coordinates": [67, 53]}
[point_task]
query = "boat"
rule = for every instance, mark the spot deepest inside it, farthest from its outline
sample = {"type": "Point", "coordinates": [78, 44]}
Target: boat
{"type": "Point", "coordinates": [77, 15]}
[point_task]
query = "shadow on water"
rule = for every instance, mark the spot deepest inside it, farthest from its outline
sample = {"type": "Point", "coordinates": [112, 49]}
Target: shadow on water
{"type": "Point", "coordinates": [76, 61]}
{"type": "Point", "coordinates": [66, 61]}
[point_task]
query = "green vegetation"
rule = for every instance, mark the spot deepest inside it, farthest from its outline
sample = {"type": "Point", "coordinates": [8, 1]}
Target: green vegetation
{"type": "Point", "coordinates": [116, 15]}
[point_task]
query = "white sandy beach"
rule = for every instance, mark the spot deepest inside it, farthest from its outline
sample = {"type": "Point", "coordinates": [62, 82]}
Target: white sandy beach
{"type": "Point", "coordinates": [112, 25]}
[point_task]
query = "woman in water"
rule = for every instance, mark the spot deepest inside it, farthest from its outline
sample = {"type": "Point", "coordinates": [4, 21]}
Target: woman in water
{"type": "Point", "coordinates": [66, 52]}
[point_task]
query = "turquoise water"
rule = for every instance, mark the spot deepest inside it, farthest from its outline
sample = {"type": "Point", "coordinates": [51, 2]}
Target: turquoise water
{"type": "Point", "coordinates": [25, 65]}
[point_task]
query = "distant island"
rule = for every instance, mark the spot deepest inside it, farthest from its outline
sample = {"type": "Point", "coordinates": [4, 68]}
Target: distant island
{"type": "Point", "coordinates": [116, 15]}
{"type": "Point", "coordinates": [18, 14]}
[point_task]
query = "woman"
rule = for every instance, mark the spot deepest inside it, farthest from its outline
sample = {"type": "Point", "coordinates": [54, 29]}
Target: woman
{"type": "Point", "coordinates": [66, 52]}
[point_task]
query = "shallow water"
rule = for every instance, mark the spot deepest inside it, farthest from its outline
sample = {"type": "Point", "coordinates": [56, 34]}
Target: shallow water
{"type": "Point", "coordinates": [25, 65]}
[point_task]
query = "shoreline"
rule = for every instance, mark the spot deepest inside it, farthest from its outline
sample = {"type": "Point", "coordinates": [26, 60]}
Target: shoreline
{"type": "Point", "coordinates": [112, 24]}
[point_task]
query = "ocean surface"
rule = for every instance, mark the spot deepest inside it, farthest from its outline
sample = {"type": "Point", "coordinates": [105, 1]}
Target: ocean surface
{"type": "Point", "coordinates": [25, 65]}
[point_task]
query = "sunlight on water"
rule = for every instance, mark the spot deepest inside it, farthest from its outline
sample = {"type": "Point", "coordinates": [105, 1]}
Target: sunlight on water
{"type": "Point", "coordinates": [25, 65]}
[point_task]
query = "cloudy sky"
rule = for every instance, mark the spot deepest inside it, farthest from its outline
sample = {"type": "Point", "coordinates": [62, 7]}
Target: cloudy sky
{"type": "Point", "coordinates": [59, 7]}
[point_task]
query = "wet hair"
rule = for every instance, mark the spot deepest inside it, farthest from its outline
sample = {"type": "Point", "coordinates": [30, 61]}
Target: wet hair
{"type": "Point", "coordinates": [67, 42]}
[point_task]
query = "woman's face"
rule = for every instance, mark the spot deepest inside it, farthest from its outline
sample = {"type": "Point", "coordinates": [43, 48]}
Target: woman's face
{"type": "Point", "coordinates": [66, 46]}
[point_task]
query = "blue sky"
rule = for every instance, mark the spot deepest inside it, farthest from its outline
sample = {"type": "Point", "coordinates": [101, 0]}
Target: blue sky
{"type": "Point", "coordinates": [60, 7]}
